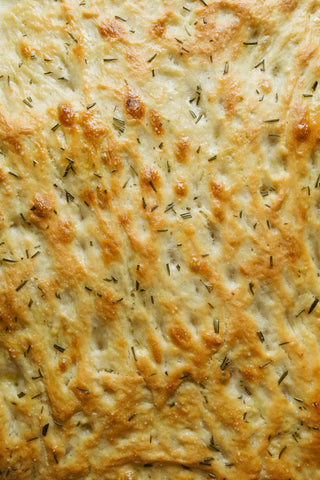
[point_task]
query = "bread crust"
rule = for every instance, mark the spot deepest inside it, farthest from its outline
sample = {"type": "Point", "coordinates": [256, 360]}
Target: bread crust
{"type": "Point", "coordinates": [159, 240]}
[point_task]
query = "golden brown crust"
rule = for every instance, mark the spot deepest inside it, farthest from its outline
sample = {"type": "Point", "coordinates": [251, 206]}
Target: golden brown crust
{"type": "Point", "coordinates": [159, 240]}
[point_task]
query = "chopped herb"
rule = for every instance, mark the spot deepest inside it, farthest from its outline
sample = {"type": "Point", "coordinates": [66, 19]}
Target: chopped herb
{"type": "Point", "coordinates": [132, 416]}
{"type": "Point", "coordinates": [212, 445]}
{"type": "Point", "coordinates": [169, 207]}
{"type": "Point", "coordinates": [314, 86]}
{"type": "Point", "coordinates": [30, 303]}
{"type": "Point", "coordinates": [271, 261]}
{"type": "Point", "coordinates": [203, 3]}
{"type": "Point", "coordinates": [162, 230]}
{"type": "Point", "coordinates": [251, 285]}
{"type": "Point", "coordinates": [168, 268]}
{"type": "Point", "coordinates": [32, 439]}
{"type": "Point", "coordinates": [283, 343]}
{"type": "Point", "coordinates": [282, 451]}
{"type": "Point", "coordinates": [118, 301]}
{"type": "Point", "coordinates": [14, 174]}
{"type": "Point", "coordinates": [73, 37]}
{"type": "Point", "coordinates": [120, 18]}
{"type": "Point", "coordinates": [21, 394]}
{"type": "Point", "coordinates": [91, 105]}
{"type": "Point", "coordinates": [21, 285]}
{"type": "Point", "coordinates": [283, 376]}
{"type": "Point", "coordinates": [154, 208]}
{"type": "Point", "coordinates": [110, 60]}
{"type": "Point", "coordinates": [27, 102]}
{"type": "Point", "coordinates": [134, 170]}
{"type": "Point", "coordinates": [8, 260]}
{"type": "Point", "coordinates": [226, 68]}
{"type": "Point", "coordinates": [45, 429]}
{"type": "Point", "coordinates": [216, 324]}
{"type": "Point", "coordinates": [119, 125]}
{"type": "Point", "coordinates": [260, 64]}
{"type": "Point", "coordinates": [313, 306]}
{"type": "Point", "coordinates": [307, 188]}
{"type": "Point", "coordinates": [112, 279]}
{"type": "Point", "coordinates": [199, 118]}
{"type": "Point", "coordinates": [57, 347]}
{"type": "Point", "coordinates": [250, 43]}
{"type": "Point", "coordinates": [208, 287]}
{"type": "Point", "coordinates": [36, 396]}
{"type": "Point", "coordinates": [24, 219]}
{"type": "Point", "coordinates": [307, 95]}
{"type": "Point", "coordinates": [225, 363]}
{"type": "Point", "coordinates": [247, 391]}
{"type": "Point", "coordinates": [265, 364]}
{"type": "Point", "coordinates": [84, 390]}
{"type": "Point", "coordinates": [152, 186]}
{"type": "Point", "coordinates": [298, 400]}
{"type": "Point", "coordinates": [55, 458]}
{"type": "Point", "coordinates": [55, 127]}
{"type": "Point", "coordinates": [144, 203]}
{"type": "Point", "coordinates": [69, 196]}
{"type": "Point", "coordinates": [134, 354]}
{"type": "Point", "coordinates": [152, 58]}
{"type": "Point", "coordinates": [272, 120]}
{"type": "Point", "coordinates": [39, 376]}
{"type": "Point", "coordinates": [212, 158]}
{"type": "Point", "coordinates": [88, 288]}
{"type": "Point", "coordinates": [69, 167]}
{"type": "Point", "coordinates": [186, 215]}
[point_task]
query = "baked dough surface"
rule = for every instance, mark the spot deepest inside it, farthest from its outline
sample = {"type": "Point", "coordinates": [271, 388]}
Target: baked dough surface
{"type": "Point", "coordinates": [159, 240]}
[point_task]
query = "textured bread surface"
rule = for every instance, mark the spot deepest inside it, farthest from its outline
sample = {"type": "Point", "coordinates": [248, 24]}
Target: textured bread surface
{"type": "Point", "coordinates": [159, 240]}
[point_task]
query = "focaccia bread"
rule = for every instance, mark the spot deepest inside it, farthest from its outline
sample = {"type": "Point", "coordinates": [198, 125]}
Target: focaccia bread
{"type": "Point", "coordinates": [159, 240]}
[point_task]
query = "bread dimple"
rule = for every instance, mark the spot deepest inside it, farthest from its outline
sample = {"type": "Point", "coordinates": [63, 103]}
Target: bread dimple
{"type": "Point", "coordinates": [159, 240]}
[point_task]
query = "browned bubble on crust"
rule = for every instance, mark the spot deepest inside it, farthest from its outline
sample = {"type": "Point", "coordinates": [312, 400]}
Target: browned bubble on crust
{"type": "Point", "coordinates": [182, 148]}
{"type": "Point", "coordinates": [42, 205]}
{"type": "Point", "coordinates": [134, 105]}
{"type": "Point", "coordinates": [156, 122]}
{"type": "Point", "coordinates": [66, 113]}
{"type": "Point", "coordinates": [111, 28]}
